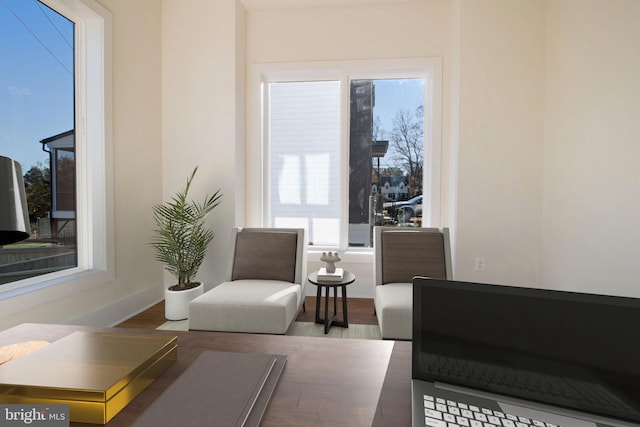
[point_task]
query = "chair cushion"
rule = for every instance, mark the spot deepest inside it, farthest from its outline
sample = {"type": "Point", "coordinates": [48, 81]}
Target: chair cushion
{"type": "Point", "coordinates": [394, 308]}
{"type": "Point", "coordinates": [265, 255]}
{"type": "Point", "coordinates": [256, 306]}
{"type": "Point", "coordinates": [406, 254]}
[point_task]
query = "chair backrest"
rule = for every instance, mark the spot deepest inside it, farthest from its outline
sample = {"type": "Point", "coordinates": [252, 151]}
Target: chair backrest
{"type": "Point", "coordinates": [268, 254]}
{"type": "Point", "coordinates": [402, 253]}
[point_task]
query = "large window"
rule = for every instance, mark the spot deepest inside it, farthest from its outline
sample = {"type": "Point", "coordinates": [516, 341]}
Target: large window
{"type": "Point", "coordinates": [344, 154]}
{"type": "Point", "coordinates": [54, 121]}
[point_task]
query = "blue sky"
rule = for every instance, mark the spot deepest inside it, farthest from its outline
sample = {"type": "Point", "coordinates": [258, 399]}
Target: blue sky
{"type": "Point", "coordinates": [391, 96]}
{"type": "Point", "coordinates": [36, 79]}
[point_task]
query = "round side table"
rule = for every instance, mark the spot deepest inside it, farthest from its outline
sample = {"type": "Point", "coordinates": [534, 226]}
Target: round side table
{"type": "Point", "coordinates": [347, 278]}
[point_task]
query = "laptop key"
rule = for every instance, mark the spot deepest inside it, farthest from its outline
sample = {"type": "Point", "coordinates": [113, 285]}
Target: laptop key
{"type": "Point", "coordinates": [432, 414]}
{"type": "Point", "coordinates": [463, 421]}
{"type": "Point", "coordinates": [429, 405]}
{"type": "Point", "coordinates": [467, 414]}
{"type": "Point", "coordinates": [480, 417]}
{"type": "Point", "coordinates": [430, 422]}
{"type": "Point", "coordinates": [449, 418]}
{"type": "Point", "coordinates": [508, 423]}
{"type": "Point", "coordinates": [475, 423]}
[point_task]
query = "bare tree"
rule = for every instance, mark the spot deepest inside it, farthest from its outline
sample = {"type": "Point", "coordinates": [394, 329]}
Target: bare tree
{"type": "Point", "coordinates": [407, 140]}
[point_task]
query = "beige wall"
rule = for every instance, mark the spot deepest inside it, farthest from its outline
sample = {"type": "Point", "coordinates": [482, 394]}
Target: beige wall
{"type": "Point", "coordinates": [202, 107]}
{"type": "Point", "coordinates": [547, 108]}
{"type": "Point", "coordinates": [347, 32]}
{"type": "Point", "coordinates": [591, 177]}
{"type": "Point", "coordinates": [500, 51]}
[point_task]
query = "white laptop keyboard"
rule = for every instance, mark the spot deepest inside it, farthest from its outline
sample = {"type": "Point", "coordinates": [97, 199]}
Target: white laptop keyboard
{"type": "Point", "coordinates": [439, 412]}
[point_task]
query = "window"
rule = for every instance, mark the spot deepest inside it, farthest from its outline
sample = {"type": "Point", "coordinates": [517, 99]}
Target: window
{"type": "Point", "coordinates": [346, 151]}
{"type": "Point", "coordinates": [54, 120]}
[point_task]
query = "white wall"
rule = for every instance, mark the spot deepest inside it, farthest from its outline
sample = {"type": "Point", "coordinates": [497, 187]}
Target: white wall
{"type": "Point", "coordinates": [591, 177]}
{"type": "Point", "coordinates": [202, 111]}
{"type": "Point", "coordinates": [499, 54]}
{"type": "Point", "coordinates": [547, 108]}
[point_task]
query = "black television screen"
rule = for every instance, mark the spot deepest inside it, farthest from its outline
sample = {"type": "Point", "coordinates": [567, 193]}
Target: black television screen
{"type": "Point", "coordinates": [575, 350]}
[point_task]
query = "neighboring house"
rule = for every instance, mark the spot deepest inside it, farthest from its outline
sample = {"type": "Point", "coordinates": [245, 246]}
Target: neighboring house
{"type": "Point", "coordinates": [393, 188]}
{"type": "Point", "coordinates": [61, 149]}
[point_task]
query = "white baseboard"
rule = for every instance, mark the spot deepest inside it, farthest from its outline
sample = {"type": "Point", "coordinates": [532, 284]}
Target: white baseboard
{"type": "Point", "coordinates": [121, 310]}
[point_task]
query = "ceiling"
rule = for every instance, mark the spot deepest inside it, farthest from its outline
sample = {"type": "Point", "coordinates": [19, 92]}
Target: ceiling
{"type": "Point", "coordinates": [273, 4]}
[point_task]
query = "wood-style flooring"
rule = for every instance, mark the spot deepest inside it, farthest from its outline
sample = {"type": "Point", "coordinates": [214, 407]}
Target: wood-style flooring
{"type": "Point", "coordinates": [359, 310]}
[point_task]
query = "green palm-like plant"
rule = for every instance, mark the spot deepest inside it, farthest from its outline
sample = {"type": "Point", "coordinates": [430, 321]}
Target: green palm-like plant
{"type": "Point", "coordinates": [182, 239]}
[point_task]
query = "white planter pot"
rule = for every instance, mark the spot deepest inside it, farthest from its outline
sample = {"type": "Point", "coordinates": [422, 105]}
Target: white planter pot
{"type": "Point", "coordinates": [176, 303]}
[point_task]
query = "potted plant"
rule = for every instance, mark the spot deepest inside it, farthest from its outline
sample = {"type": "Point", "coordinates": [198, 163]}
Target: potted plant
{"type": "Point", "coordinates": [181, 243]}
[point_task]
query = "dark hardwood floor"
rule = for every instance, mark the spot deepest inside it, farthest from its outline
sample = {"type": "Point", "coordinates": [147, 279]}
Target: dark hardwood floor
{"type": "Point", "coordinates": [360, 311]}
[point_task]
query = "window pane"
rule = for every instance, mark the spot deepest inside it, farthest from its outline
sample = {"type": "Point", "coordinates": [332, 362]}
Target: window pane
{"type": "Point", "coordinates": [386, 158]}
{"type": "Point", "coordinates": [304, 158]}
{"type": "Point", "coordinates": [37, 129]}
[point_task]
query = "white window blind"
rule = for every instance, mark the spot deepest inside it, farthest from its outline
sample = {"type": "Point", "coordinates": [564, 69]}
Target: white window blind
{"type": "Point", "coordinates": [304, 158]}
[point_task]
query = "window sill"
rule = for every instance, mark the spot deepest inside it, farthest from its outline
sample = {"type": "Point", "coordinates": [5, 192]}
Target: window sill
{"type": "Point", "coordinates": [350, 256]}
{"type": "Point", "coordinates": [66, 282]}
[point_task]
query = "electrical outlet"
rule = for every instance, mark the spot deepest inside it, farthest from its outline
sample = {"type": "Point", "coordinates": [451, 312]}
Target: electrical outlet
{"type": "Point", "coordinates": [480, 263]}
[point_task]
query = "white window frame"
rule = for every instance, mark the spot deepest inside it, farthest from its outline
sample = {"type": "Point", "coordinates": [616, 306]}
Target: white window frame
{"type": "Point", "coordinates": [94, 168]}
{"type": "Point", "coordinates": [429, 69]}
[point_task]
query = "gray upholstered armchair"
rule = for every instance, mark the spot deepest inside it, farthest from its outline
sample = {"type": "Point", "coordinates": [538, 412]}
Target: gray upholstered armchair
{"type": "Point", "coordinates": [264, 288]}
{"type": "Point", "coordinates": [400, 254]}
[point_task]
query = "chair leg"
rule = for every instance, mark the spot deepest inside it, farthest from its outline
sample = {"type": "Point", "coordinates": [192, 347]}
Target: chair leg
{"type": "Point", "coordinates": [304, 305]}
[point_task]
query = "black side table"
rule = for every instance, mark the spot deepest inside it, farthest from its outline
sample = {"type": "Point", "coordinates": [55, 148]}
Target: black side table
{"type": "Point", "coordinates": [347, 278]}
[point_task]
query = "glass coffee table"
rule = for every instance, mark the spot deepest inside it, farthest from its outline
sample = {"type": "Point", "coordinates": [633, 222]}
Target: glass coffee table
{"type": "Point", "coordinates": [347, 279]}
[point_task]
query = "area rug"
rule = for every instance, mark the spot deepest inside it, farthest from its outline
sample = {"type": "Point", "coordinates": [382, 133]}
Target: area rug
{"type": "Point", "coordinates": [303, 329]}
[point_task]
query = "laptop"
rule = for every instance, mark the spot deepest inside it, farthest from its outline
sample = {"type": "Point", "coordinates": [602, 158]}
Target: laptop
{"type": "Point", "coordinates": [491, 355]}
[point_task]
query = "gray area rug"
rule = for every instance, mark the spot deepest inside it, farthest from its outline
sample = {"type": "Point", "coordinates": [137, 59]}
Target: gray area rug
{"type": "Point", "coordinates": [304, 329]}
